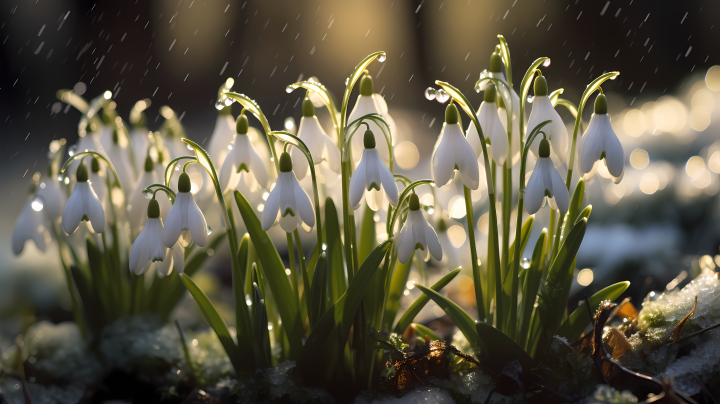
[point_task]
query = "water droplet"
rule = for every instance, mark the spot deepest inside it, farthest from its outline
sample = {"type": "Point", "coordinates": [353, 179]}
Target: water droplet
{"type": "Point", "coordinates": [229, 101]}
{"type": "Point", "coordinates": [72, 150]}
{"type": "Point", "coordinates": [148, 194]}
{"type": "Point", "coordinates": [209, 230]}
{"type": "Point", "coordinates": [37, 203]}
{"type": "Point", "coordinates": [324, 247]}
{"type": "Point", "coordinates": [347, 80]}
{"type": "Point", "coordinates": [430, 93]}
{"type": "Point", "coordinates": [219, 104]}
{"type": "Point", "coordinates": [525, 263]}
{"type": "Point", "coordinates": [546, 63]}
{"type": "Point", "coordinates": [530, 98]}
{"type": "Point", "coordinates": [60, 177]}
{"type": "Point", "coordinates": [229, 147]}
{"type": "Point", "coordinates": [189, 147]}
{"type": "Point", "coordinates": [210, 252]}
{"type": "Point", "coordinates": [441, 96]}
{"type": "Point", "coordinates": [382, 58]}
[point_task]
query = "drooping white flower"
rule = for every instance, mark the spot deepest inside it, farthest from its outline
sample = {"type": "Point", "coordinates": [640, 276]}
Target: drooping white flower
{"type": "Point", "coordinates": [148, 246]}
{"type": "Point", "coordinates": [136, 200]}
{"type": "Point", "coordinates": [243, 157]}
{"type": "Point", "coordinates": [417, 234]}
{"type": "Point", "coordinates": [222, 135]}
{"type": "Point", "coordinates": [88, 142]}
{"type": "Point", "coordinates": [452, 150]}
{"type": "Point", "coordinates": [543, 110]}
{"type": "Point", "coordinates": [366, 104]}
{"type": "Point", "coordinates": [287, 201]}
{"type": "Point", "coordinates": [372, 176]}
{"type": "Point", "coordinates": [30, 226]}
{"type": "Point", "coordinates": [492, 129]}
{"type": "Point", "coordinates": [321, 147]}
{"type": "Point", "coordinates": [185, 216]}
{"type": "Point", "coordinates": [601, 143]}
{"type": "Point", "coordinates": [83, 204]}
{"type": "Point", "coordinates": [545, 181]}
{"type": "Point", "coordinates": [53, 198]}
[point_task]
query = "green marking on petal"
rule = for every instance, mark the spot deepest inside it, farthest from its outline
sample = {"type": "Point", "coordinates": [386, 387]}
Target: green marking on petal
{"type": "Point", "coordinates": [243, 167]}
{"type": "Point", "coordinates": [547, 193]}
{"type": "Point", "coordinates": [85, 218]}
{"type": "Point", "coordinates": [419, 246]}
{"type": "Point", "coordinates": [374, 186]}
{"type": "Point", "coordinates": [602, 156]}
{"type": "Point", "coordinates": [288, 211]}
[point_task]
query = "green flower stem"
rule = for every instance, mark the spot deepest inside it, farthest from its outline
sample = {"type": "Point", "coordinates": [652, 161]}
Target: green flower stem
{"type": "Point", "coordinates": [254, 108]}
{"type": "Point", "coordinates": [171, 166]}
{"type": "Point", "coordinates": [97, 155]}
{"type": "Point", "coordinates": [324, 94]}
{"type": "Point", "coordinates": [505, 53]}
{"type": "Point", "coordinates": [77, 311]}
{"type": "Point", "coordinates": [405, 193]}
{"type": "Point", "coordinates": [204, 160]}
{"type": "Point", "coordinates": [293, 274]}
{"type": "Point", "coordinates": [473, 255]}
{"type": "Point", "coordinates": [160, 187]}
{"type": "Point", "coordinates": [518, 245]}
{"type": "Point", "coordinates": [186, 352]}
{"type": "Point", "coordinates": [303, 270]}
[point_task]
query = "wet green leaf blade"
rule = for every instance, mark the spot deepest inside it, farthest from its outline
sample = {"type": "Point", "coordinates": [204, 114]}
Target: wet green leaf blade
{"type": "Point", "coordinates": [422, 300]}
{"type": "Point", "coordinates": [457, 314]}
{"type": "Point", "coordinates": [573, 327]}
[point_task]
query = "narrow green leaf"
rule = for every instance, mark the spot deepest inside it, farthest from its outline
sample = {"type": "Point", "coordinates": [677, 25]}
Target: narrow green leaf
{"type": "Point", "coordinates": [423, 331]}
{"type": "Point", "coordinates": [334, 325]}
{"type": "Point", "coordinates": [567, 253]}
{"type": "Point", "coordinates": [524, 237]}
{"type": "Point", "coordinates": [457, 314]}
{"type": "Point", "coordinates": [497, 349]}
{"type": "Point", "coordinates": [580, 318]}
{"type": "Point", "coordinates": [397, 286]}
{"type": "Point", "coordinates": [527, 79]}
{"type": "Point", "coordinates": [555, 95]}
{"type": "Point", "coordinates": [422, 300]}
{"type": "Point", "coordinates": [260, 329]}
{"type": "Point", "coordinates": [531, 285]}
{"type": "Point", "coordinates": [274, 273]}
{"type": "Point", "coordinates": [368, 239]}
{"type": "Point", "coordinates": [575, 207]}
{"type": "Point", "coordinates": [216, 322]}
{"type": "Point", "coordinates": [337, 283]}
{"type": "Point", "coordinates": [318, 295]}
{"type": "Point", "coordinates": [243, 323]}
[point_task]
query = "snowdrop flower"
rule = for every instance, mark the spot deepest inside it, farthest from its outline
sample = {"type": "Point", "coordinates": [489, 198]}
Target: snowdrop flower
{"type": "Point", "coordinates": [600, 142]}
{"type": "Point", "coordinates": [83, 204]}
{"type": "Point", "coordinates": [453, 151]}
{"type": "Point", "coordinates": [185, 216]}
{"type": "Point", "coordinates": [222, 135]}
{"type": "Point", "coordinates": [136, 201]}
{"type": "Point", "coordinates": [543, 110]}
{"type": "Point", "coordinates": [417, 234]}
{"type": "Point", "coordinates": [53, 198]}
{"type": "Point", "coordinates": [545, 181]}
{"type": "Point", "coordinates": [492, 128]}
{"type": "Point", "coordinates": [366, 104]}
{"type": "Point", "coordinates": [148, 246]}
{"type": "Point", "coordinates": [243, 157]}
{"type": "Point", "coordinates": [89, 142]}
{"type": "Point", "coordinates": [288, 201]}
{"type": "Point", "coordinates": [321, 147]}
{"type": "Point", "coordinates": [30, 226]}
{"type": "Point", "coordinates": [373, 176]}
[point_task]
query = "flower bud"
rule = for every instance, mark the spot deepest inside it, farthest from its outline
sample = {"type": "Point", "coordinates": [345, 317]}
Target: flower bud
{"type": "Point", "coordinates": [81, 174]}
{"type": "Point", "coordinates": [115, 136]}
{"type": "Point", "coordinates": [544, 148]}
{"type": "Point", "coordinates": [490, 93]}
{"type": "Point", "coordinates": [366, 85]}
{"type": "Point", "coordinates": [285, 162]}
{"type": "Point", "coordinates": [153, 210]}
{"type": "Point", "coordinates": [308, 109]}
{"type": "Point", "coordinates": [149, 165]}
{"type": "Point", "coordinates": [541, 87]}
{"type": "Point", "coordinates": [184, 183]}
{"type": "Point", "coordinates": [241, 125]}
{"type": "Point", "coordinates": [414, 202]}
{"type": "Point", "coordinates": [369, 140]}
{"type": "Point", "coordinates": [452, 116]}
{"type": "Point", "coordinates": [95, 165]}
{"type": "Point", "coordinates": [601, 106]}
{"type": "Point", "coordinates": [495, 63]}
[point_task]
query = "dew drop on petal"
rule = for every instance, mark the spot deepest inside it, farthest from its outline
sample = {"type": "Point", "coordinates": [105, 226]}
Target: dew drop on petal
{"type": "Point", "coordinates": [72, 150]}
{"type": "Point", "coordinates": [229, 101]}
{"type": "Point", "coordinates": [219, 104]}
{"type": "Point", "coordinates": [430, 93]}
{"type": "Point", "coordinates": [37, 203]}
{"type": "Point", "coordinates": [148, 194]}
{"type": "Point", "coordinates": [530, 98]}
{"type": "Point", "coordinates": [382, 58]}
{"type": "Point", "coordinates": [189, 147]}
{"type": "Point", "coordinates": [347, 80]}
{"type": "Point", "coordinates": [441, 96]}
{"type": "Point", "coordinates": [546, 63]}
{"type": "Point", "coordinates": [209, 230]}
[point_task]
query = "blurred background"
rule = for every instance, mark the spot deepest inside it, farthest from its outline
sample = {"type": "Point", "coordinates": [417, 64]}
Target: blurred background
{"type": "Point", "coordinates": [654, 228]}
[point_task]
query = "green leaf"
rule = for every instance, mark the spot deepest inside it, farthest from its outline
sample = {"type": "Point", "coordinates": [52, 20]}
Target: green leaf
{"type": "Point", "coordinates": [243, 323]}
{"type": "Point", "coordinates": [216, 322]}
{"type": "Point", "coordinates": [423, 331]}
{"type": "Point", "coordinates": [334, 325]}
{"type": "Point", "coordinates": [497, 349]}
{"type": "Point", "coordinates": [575, 207]}
{"type": "Point", "coordinates": [368, 239]}
{"type": "Point", "coordinates": [573, 327]}
{"type": "Point", "coordinates": [422, 300]}
{"type": "Point", "coordinates": [567, 253]}
{"type": "Point", "coordinates": [505, 53]}
{"type": "Point", "coordinates": [457, 314]}
{"type": "Point", "coordinates": [527, 79]}
{"type": "Point", "coordinates": [555, 95]}
{"type": "Point", "coordinates": [524, 237]}
{"type": "Point", "coordinates": [260, 329]}
{"type": "Point", "coordinates": [397, 286]}
{"type": "Point", "coordinates": [594, 85]}
{"type": "Point", "coordinates": [274, 274]}
{"type": "Point", "coordinates": [357, 72]}
{"type": "Point", "coordinates": [318, 295]}
{"type": "Point", "coordinates": [531, 285]}
{"type": "Point", "coordinates": [337, 283]}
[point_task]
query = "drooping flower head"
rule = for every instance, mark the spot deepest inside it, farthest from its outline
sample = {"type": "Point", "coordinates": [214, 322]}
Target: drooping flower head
{"type": "Point", "coordinates": [288, 201]}
{"type": "Point", "coordinates": [136, 201]}
{"type": "Point", "coordinates": [417, 234]}
{"type": "Point", "coordinates": [601, 143]}
{"type": "Point", "coordinates": [321, 147]}
{"type": "Point", "coordinates": [83, 204]}
{"type": "Point", "coordinates": [492, 128]}
{"type": "Point", "coordinates": [366, 104]}
{"type": "Point", "coordinates": [185, 216]}
{"type": "Point", "coordinates": [543, 110]}
{"type": "Point", "coordinates": [148, 246]}
{"type": "Point", "coordinates": [372, 177]}
{"type": "Point", "coordinates": [243, 157]}
{"type": "Point", "coordinates": [222, 135]}
{"type": "Point", "coordinates": [452, 152]}
{"type": "Point", "coordinates": [546, 182]}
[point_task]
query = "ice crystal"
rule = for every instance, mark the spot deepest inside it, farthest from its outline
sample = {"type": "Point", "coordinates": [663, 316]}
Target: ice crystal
{"type": "Point", "coordinates": [606, 394]}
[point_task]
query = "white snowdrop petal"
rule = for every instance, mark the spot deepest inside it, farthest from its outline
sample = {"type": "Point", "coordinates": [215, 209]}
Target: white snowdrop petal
{"type": "Point", "coordinates": [442, 164]}
{"type": "Point", "coordinates": [73, 211]}
{"type": "Point", "coordinates": [300, 163]}
{"type": "Point", "coordinates": [304, 205]}
{"type": "Point", "coordinates": [196, 223]}
{"type": "Point", "coordinates": [173, 221]}
{"type": "Point", "coordinates": [178, 258]}
{"type": "Point", "coordinates": [535, 191]}
{"type": "Point", "coordinates": [272, 207]}
{"type": "Point", "coordinates": [332, 154]}
{"type": "Point", "coordinates": [257, 166]}
{"type": "Point", "coordinates": [388, 183]}
{"type": "Point", "coordinates": [405, 245]}
{"type": "Point", "coordinates": [357, 183]}
{"type": "Point", "coordinates": [93, 209]}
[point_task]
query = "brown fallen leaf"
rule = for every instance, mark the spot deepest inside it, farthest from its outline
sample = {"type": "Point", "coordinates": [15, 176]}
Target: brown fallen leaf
{"type": "Point", "coordinates": [625, 310]}
{"type": "Point", "coordinates": [678, 328]}
{"type": "Point", "coordinates": [619, 343]}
